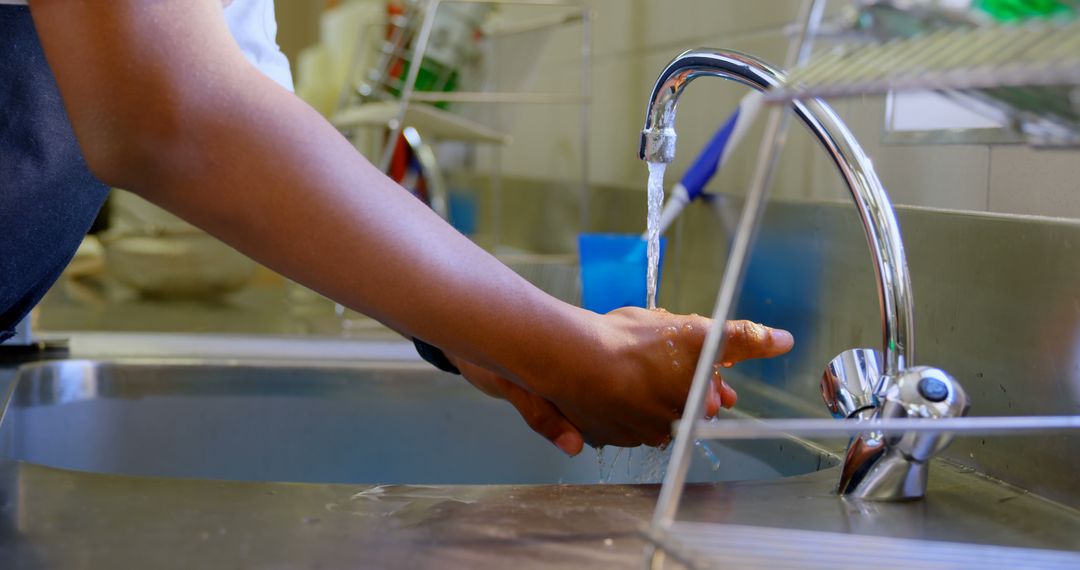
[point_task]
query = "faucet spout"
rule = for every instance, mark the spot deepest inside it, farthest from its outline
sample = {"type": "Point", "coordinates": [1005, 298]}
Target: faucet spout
{"type": "Point", "coordinates": [875, 210]}
{"type": "Point", "coordinates": [860, 384]}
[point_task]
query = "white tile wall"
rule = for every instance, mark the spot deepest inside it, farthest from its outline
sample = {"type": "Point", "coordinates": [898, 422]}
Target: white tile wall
{"type": "Point", "coordinates": [635, 38]}
{"type": "Point", "coordinates": [936, 176]}
{"type": "Point", "coordinates": [1037, 182]}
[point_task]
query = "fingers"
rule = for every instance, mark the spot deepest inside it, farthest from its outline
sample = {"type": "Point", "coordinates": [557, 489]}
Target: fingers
{"type": "Point", "coordinates": [545, 419]}
{"type": "Point", "coordinates": [728, 397]}
{"type": "Point", "coordinates": [720, 396]}
{"type": "Point", "coordinates": [481, 378]}
{"type": "Point", "coordinates": [746, 339]}
{"type": "Point", "coordinates": [713, 401]}
{"type": "Point", "coordinates": [541, 415]}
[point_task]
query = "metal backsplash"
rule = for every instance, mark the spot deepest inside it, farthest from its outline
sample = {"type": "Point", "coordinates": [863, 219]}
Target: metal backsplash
{"type": "Point", "coordinates": [998, 305]}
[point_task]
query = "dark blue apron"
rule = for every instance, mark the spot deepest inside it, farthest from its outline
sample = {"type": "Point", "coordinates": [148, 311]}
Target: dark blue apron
{"type": "Point", "coordinates": [48, 198]}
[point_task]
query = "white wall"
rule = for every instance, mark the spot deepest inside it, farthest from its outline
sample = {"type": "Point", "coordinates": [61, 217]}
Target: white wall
{"type": "Point", "coordinates": [633, 39]}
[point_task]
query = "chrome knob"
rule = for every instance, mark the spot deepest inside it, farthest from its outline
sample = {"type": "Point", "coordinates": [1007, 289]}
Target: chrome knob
{"type": "Point", "coordinates": [850, 382]}
{"type": "Point", "coordinates": [924, 392]}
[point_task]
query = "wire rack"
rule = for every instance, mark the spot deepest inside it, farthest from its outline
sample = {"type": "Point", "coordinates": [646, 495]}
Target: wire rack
{"type": "Point", "coordinates": [1028, 72]}
{"type": "Point", "coordinates": [387, 95]}
{"type": "Point", "coordinates": [418, 66]}
{"type": "Point", "coordinates": [1037, 54]}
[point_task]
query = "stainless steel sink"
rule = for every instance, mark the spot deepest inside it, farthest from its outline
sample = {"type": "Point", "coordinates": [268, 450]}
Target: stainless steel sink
{"type": "Point", "coordinates": [185, 426]}
{"type": "Point", "coordinates": [355, 423]}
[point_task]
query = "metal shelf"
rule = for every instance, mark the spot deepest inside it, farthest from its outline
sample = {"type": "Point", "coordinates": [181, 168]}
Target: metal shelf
{"type": "Point", "coordinates": [499, 97]}
{"type": "Point", "coordinates": [432, 121]}
{"type": "Point", "coordinates": [1027, 72]}
{"type": "Point", "coordinates": [1037, 54]}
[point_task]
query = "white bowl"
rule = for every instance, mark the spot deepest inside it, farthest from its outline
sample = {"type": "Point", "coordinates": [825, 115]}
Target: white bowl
{"type": "Point", "coordinates": [190, 264]}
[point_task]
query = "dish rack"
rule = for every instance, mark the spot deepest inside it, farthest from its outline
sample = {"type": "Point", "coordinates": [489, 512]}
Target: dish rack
{"type": "Point", "coordinates": [412, 79]}
{"type": "Point", "coordinates": [1031, 72]}
{"type": "Point", "coordinates": [1027, 72]}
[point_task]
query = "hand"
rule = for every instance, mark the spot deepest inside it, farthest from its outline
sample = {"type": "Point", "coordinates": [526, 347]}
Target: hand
{"type": "Point", "coordinates": [629, 382]}
{"type": "Point", "coordinates": [541, 415]}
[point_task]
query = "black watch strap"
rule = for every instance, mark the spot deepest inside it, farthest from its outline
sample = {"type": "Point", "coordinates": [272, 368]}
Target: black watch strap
{"type": "Point", "coordinates": [435, 356]}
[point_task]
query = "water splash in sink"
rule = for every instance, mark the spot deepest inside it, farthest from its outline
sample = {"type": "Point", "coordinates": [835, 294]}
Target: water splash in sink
{"type": "Point", "coordinates": [648, 465]}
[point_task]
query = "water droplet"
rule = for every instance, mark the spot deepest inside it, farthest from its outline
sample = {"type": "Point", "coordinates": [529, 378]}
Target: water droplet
{"type": "Point", "coordinates": [708, 454]}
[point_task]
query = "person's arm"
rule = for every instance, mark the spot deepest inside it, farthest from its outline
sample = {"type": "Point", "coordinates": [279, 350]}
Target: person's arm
{"type": "Point", "coordinates": [164, 104]}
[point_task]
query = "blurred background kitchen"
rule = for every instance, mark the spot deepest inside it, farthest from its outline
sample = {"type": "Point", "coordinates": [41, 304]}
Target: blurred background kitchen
{"type": "Point", "coordinates": [551, 155]}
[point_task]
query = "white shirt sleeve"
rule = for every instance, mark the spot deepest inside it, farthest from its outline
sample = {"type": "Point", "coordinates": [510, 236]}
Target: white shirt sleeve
{"type": "Point", "coordinates": [254, 27]}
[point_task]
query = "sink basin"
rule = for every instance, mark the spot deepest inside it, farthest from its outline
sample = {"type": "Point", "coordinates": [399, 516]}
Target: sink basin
{"type": "Point", "coordinates": [372, 422]}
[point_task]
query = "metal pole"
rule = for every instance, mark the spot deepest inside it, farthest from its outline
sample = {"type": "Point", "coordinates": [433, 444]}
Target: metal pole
{"type": "Point", "coordinates": [495, 185]}
{"type": "Point", "coordinates": [431, 7]}
{"type": "Point", "coordinates": [586, 94]}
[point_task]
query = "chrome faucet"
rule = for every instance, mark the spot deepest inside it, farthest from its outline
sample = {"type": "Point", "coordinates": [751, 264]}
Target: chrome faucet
{"type": "Point", "coordinates": [862, 384]}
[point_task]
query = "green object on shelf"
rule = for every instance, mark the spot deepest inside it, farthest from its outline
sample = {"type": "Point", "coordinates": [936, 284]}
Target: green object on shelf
{"type": "Point", "coordinates": [1017, 10]}
{"type": "Point", "coordinates": [433, 76]}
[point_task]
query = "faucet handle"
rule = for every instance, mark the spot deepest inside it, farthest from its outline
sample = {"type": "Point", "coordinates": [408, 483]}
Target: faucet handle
{"type": "Point", "coordinates": [850, 382]}
{"type": "Point", "coordinates": [924, 392]}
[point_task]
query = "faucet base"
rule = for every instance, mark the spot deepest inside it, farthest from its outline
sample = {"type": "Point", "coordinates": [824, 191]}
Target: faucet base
{"type": "Point", "coordinates": [892, 478]}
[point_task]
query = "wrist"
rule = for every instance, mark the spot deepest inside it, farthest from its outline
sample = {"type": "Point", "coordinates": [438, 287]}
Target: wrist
{"type": "Point", "coordinates": [570, 346]}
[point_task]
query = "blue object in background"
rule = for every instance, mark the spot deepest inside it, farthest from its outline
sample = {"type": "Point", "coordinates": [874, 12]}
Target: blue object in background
{"type": "Point", "coordinates": [463, 212]}
{"type": "Point", "coordinates": [613, 271]}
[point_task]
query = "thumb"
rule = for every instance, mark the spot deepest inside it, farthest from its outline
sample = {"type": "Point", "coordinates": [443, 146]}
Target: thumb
{"type": "Point", "coordinates": [746, 339]}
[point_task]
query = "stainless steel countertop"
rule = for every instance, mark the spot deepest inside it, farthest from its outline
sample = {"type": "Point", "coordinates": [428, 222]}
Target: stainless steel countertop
{"type": "Point", "coordinates": [62, 519]}
{"type": "Point", "coordinates": [267, 306]}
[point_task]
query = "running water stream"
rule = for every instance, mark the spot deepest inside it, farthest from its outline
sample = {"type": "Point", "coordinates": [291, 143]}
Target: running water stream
{"type": "Point", "coordinates": [653, 463]}
{"type": "Point", "coordinates": [652, 226]}
{"type": "Point", "coordinates": [655, 459]}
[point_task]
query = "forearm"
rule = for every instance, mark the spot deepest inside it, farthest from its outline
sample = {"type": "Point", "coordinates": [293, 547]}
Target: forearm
{"type": "Point", "coordinates": [191, 126]}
